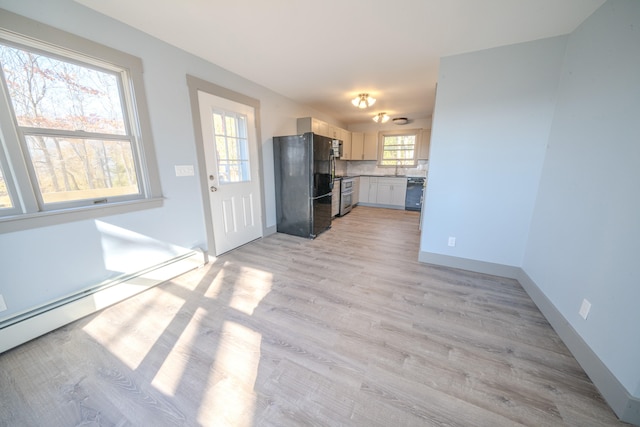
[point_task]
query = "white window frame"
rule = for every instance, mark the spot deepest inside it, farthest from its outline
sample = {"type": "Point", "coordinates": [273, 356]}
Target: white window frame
{"type": "Point", "coordinates": [27, 212]}
{"type": "Point", "coordinates": [383, 134]}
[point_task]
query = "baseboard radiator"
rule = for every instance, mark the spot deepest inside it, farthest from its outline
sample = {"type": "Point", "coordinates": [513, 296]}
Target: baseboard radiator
{"type": "Point", "coordinates": [33, 323]}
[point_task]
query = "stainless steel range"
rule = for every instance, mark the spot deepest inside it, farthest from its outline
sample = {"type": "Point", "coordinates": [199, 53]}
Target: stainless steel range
{"type": "Point", "coordinates": [346, 195]}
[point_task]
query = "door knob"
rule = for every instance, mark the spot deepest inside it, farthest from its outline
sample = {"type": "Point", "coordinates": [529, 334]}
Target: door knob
{"type": "Point", "coordinates": [213, 189]}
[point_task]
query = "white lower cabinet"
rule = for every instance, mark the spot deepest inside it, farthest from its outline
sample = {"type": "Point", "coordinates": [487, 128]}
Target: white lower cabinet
{"type": "Point", "coordinates": [391, 191]}
{"type": "Point", "coordinates": [363, 193]}
{"type": "Point", "coordinates": [335, 198]}
{"type": "Point", "coordinates": [383, 192]}
{"type": "Point", "coordinates": [387, 192]}
{"type": "Point", "coordinates": [372, 193]}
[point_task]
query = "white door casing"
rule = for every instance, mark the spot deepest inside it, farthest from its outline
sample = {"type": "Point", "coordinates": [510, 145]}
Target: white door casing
{"type": "Point", "coordinates": [234, 192]}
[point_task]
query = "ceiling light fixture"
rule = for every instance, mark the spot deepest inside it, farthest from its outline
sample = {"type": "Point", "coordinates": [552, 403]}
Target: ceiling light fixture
{"type": "Point", "coordinates": [400, 121]}
{"type": "Point", "coordinates": [363, 101]}
{"type": "Point", "coordinates": [381, 118]}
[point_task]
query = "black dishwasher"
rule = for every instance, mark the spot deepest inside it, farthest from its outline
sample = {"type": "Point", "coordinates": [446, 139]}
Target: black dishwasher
{"type": "Point", "coordinates": [413, 199]}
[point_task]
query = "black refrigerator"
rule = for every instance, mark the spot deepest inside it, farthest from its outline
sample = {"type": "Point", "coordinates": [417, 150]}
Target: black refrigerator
{"type": "Point", "coordinates": [304, 168]}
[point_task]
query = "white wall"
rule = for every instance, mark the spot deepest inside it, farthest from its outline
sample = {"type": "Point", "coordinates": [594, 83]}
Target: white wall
{"type": "Point", "coordinates": [44, 263]}
{"type": "Point", "coordinates": [585, 234]}
{"type": "Point", "coordinates": [492, 118]}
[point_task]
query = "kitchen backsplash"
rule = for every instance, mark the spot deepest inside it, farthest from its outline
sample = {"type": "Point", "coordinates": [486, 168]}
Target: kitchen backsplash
{"type": "Point", "coordinates": [371, 168]}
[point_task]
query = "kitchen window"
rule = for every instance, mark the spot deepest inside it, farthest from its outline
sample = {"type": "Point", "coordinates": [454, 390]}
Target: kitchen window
{"type": "Point", "coordinates": [398, 148]}
{"type": "Point", "coordinates": [73, 128]}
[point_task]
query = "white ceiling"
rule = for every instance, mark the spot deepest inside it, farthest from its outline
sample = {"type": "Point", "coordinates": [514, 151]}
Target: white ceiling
{"type": "Point", "coordinates": [323, 53]}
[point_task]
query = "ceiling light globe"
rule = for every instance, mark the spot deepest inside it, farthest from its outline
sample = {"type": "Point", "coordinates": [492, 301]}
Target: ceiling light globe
{"type": "Point", "coordinates": [381, 118]}
{"type": "Point", "coordinates": [363, 100]}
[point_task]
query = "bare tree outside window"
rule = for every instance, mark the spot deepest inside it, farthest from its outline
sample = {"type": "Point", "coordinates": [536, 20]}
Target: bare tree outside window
{"type": "Point", "coordinates": [73, 122]}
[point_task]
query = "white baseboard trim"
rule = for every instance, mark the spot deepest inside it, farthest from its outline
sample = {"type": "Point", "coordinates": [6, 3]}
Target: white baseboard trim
{"type": "Point", "coordinates": [625, 406]}
{"type": "Point", "coordinates": [270, 230]}
{"type": "Point", "coordinates": [31, 324]}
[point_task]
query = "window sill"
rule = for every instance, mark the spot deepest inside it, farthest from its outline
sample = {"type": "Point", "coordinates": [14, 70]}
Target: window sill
{"type": "Point", "coordinates": [46, 218]}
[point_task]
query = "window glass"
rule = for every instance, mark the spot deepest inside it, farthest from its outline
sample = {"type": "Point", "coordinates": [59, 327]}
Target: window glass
{"type": "Point", "coordinates": [52, 94]}
{"type": "Point", "coordinates": [398, 150]}
{"type": "Point", "coordinates": [80, 169]}
{"type": "Point", "coordinates": [71, 117]}
{"type": "Point", "coordinates": [232, 149]}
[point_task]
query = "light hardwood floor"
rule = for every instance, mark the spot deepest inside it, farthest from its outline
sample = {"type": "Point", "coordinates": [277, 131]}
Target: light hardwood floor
{"type": "Point", "coordinates": [346, 329]}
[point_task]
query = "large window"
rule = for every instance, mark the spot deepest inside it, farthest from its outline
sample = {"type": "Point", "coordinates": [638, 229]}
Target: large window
{"type": "Point", "coordinates": [398, 148]}
{"type": "Point", "coordinates": [71, 130]}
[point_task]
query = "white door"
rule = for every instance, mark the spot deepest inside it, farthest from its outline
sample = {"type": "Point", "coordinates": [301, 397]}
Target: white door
{"type": "Point", "coordinates": [231, 155]}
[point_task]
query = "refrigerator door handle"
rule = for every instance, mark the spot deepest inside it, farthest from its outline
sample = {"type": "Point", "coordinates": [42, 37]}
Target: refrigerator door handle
{"type": "Point", "coordinates": [332, 165]}
{"type": "Point", "coordinates": [320, 197]}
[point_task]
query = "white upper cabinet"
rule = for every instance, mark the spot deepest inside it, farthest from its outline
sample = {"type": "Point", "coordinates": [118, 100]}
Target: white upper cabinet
{"type": "Point", "coordinates": [319, 127]}
{"type": "Point", "coordinates": [370, 146]}
{"type": "Point", "coordinates": [424, 144]}
{"type": "Point", "coordinates": [357, 141]}
{"type": "Point", "coordinates": [345, 136]}
{"type": "Point", "coordinates": [364, 146]}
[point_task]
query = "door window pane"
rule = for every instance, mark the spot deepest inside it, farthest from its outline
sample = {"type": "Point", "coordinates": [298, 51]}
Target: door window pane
{"type": "Point", "coordinates": [232, 147]}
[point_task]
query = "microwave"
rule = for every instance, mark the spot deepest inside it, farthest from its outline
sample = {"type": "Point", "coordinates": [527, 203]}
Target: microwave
{"type": "Point", "coordinates": [336, 145]}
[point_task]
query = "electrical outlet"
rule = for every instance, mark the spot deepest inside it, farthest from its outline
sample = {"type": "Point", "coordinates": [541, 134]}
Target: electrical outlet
{"type": "Point", "coordinates": [452, 241]}
{"type": "Point", "coordinates": [584, 309]}
{"type": "Point", "coordinates": [184, 170]}
{"type": "Point", "coordinates": [3, 306]}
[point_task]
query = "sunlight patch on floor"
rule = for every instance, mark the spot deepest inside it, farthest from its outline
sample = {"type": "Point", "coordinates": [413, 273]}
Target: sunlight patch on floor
{"type": "Point", "coordinates": [218, 283]}
{"type": "Point", "coordinates": [250, 288]}
{"type": "Point", "coordinates": [171, 374]}
{"type": "Point", "coordinates": [132, 334]}
{"type": "Point", "coordinates": [231, 400]}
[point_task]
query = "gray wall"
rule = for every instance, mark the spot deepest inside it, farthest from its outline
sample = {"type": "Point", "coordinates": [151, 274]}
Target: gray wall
{"type": "Point", "coordinates": [585, 235]}
{"type": "Point", "coordinates": [492, 118]}
{"type": "Point", "coordinates": [535, 164]}
{"type": "Point", "coordinates": [41, 264]}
